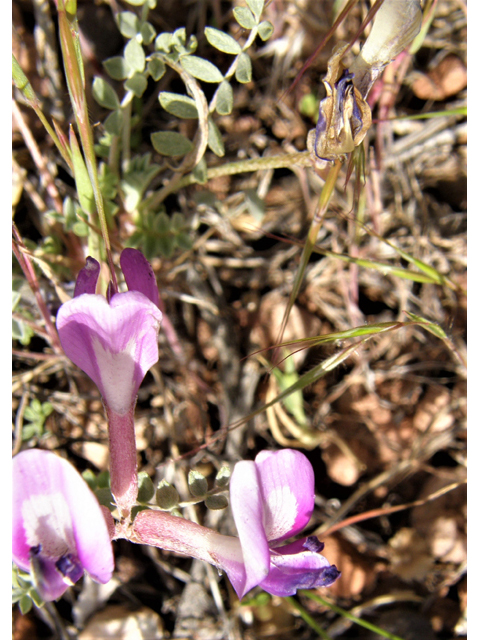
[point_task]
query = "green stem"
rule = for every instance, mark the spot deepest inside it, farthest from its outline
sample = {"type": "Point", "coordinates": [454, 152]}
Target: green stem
{"type": "Point", "coordinates": [76, 88]}
{"type": "Point", "coordinates": [349, 616]}
{"type": "Point", "coordinates": [282, 161]}
{"type": "Point", "coordinates": [23, 84]}
{"type": "Point", "coordinates": [317, 221]}
{"type": "Point", "coordinates": [308, 618]}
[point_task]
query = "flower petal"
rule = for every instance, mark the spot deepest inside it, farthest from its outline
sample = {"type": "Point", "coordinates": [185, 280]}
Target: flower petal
{"type": "Point", "coordinates": [292, 570]}
{"type": "Point", "coordinates": [57, 521]}
{"type": "Point", "coordinates": [248, 511]}
{"type": "Point", "coordinates": [114, 343]}
{"type": "Point", "coordinates": [49, 582]}
{"type": "Point", "coordinates": [87, 277]}
{"type": "Point", "coordinates": [92, 539]}
{"type": "Point", "coordinates": [41, 514]}
{"type": "Point", "coordinates": [287, 482]}
{"type": "Point", "coordinates": [139, 274]}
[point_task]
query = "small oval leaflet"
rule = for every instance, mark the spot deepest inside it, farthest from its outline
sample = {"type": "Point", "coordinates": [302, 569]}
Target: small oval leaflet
{"type": "Point", "coordinates": [224, 104]}
{"type": "Point", "coordinates": [171, 143]}
{"type": "Point", "coordinates": [201, 69]}
{"type": "Point", "coordinates": [178, 105]}
{"type": "Point", "coordinates": [244, 17]}
{"type": "Point", "coordinates": [222, 41]}
{"type": "Point", "coordinates": [244, 69]}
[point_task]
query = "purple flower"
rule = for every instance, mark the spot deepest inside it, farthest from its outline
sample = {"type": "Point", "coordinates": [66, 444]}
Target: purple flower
{"type": "Point", "coordinates": [58, 528]}
{"type": "Point", "coordinates": [114, 341]}
{"type": "Point", "coordinates": [272, 499]}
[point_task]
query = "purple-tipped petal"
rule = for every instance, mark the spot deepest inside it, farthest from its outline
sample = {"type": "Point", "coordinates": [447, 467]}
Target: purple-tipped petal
{"type": "Point", "coordinates": [139, 274]}
{"type": "Point", "coordinates": [248, 512]}
{"type": "Point", "coordinates": [87, 277]}
{"type": "Point", "coordinates": [48, 581]}
{"type": "Point", "coordinates": [58, 526]}
{"type": "Point", "coordinates": [114, 343]}
{"type": "Point", "coordinates": [287, 481]}
{"type": "Point", "coordinates": [90, 531]}
{"type": "Point", "coordinates": [295, 567]}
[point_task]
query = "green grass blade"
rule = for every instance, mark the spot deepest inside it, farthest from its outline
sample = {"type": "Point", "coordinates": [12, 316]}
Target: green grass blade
{"type": "Point", "coordinates": [351, 617]}
{"type": "Point", "coordinates": [308, 618]}
{"type": "Point", "coordinates": [324, 199]}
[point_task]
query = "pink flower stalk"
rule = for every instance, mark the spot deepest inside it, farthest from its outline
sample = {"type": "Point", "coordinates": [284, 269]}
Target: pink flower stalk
{"type": "Point", "coordinates": [114, 341]}
{"type": "Point", "coordinates": [272, 499]}
{"type": "Point", "coordinates": [58, 529]}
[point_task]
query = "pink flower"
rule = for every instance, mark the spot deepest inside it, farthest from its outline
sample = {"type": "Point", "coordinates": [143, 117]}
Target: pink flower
{"type": "Point", "coordinates": [272, 499]}
{"type": "Point", "coordinates": [58, 526]}
{"type": "Point", "coordinates": [114, 341]}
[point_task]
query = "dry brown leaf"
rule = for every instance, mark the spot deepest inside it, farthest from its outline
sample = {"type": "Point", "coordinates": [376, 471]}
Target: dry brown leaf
{"type": "Point", "coordinates": [409, 555]}
{"type": "Point", "coordinates": [341, 468]}
{"type": "Point", "coordinates": [431, 412]}
{"type": "Point", "coordinates": [442, 522]}
{"type": "Point", "coordinates": [447, 79]}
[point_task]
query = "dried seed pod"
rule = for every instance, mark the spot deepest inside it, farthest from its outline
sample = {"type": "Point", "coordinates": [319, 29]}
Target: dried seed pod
{"type": "Point", "coordinates": [344, 117]}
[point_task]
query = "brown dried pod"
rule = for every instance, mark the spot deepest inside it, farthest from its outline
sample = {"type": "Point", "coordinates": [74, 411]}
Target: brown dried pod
{"type": "Point", "coordinates": [344, 116]}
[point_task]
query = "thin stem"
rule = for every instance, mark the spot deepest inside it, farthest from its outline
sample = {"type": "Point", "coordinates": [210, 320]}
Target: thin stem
{"type": "Point", "coordinates": [317, 221]}
{"type": "Point", "coordinates": [308, 618]}
{"type": "Point", "coordinates": [20, 252]}
{"type": "Point", "coordinates": [351, 617]}
{"type": "Point", "coordinates": [76, 87]}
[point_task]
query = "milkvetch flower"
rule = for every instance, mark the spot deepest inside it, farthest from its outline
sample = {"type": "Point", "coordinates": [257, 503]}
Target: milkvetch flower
{"type": "Point", "coordinates": [272, 499]}
{"type": "Point", "coordinates": [58, 528]}
{"type": "Point", "coordinates": [114, 341]}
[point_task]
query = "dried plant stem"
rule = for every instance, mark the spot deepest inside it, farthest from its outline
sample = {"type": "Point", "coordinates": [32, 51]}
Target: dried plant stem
{"type": "Point", "coordinates": [37, 157]}
{"type": "Point", "coordinates": [29, 272]}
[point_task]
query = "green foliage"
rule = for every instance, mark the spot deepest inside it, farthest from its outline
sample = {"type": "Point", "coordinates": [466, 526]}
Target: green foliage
{"type": "Point", "coordinates": [222, 479]}
{"type": "Point", "coordinates": [171, 143]}
{"type": "Point", "coordinates": [244, 17]}
{"type": "Point", "coordinates": [244, 68]}
{"type": "Point", "coordinates": [265, 30]}
{"type": "Point", "coordinates": [216, 502]}
{"type": "Point", "coordinates": [157, 234]}
{"type": "Point", "coordinates": [201, 69]}
{"type": "Point", "coordinates": [197, 484]}
{"type": "Point", "coordinates": [178, 105]}
{"type": "Point", "coordinates": [100, 485]}
{"type": "Point", "coordinates": [23, 591]}
{"type": "Point", "coordinates": [136, 179]}
{"type": "Point", "coordinates": [224, 104]}
{"type": "Point", "coordinates": [257, 7]}
{"type": "Point", "coordinates": [146, 489]}
{"type": "Point", "coordinates": [167, 496]}
{"type": "Point", "coordinates": [36, 413]}
{"type": "Point", "coordinates": [215, 140]}
{"type": "Point", "coordinates": [104, 94]}
{"type": "Point", "coordinates": [21, 331]}
{"type": "Point", "coordinates": [222, 41]}
{"type": "Point", "coordinates": [293, 402]}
